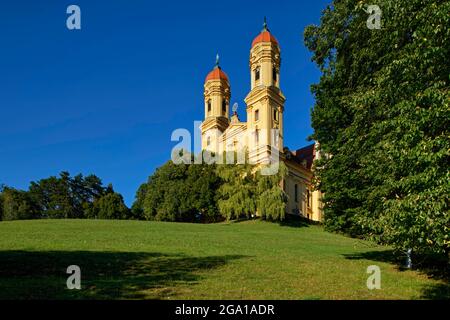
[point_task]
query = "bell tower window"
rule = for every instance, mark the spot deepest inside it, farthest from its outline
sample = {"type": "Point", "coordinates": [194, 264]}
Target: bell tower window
{"type": "Point", "coordinates": [274, 75]}
{"type": "Point", "coordinates": [257, 74]}
{"type": "Point", "coordinates": [209, 105]}
{"type": "Point", "coordinates": [224, 107]}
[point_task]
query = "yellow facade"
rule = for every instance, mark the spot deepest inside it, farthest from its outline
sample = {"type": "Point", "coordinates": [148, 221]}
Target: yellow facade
{"type": "Point", "coordinates": [262, 134]}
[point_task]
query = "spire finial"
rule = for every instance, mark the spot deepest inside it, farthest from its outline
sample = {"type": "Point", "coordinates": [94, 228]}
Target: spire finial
{"type": "Point", "coordinates": [265, 28]}
{"type": "Point", "coordinates": [217, 61]}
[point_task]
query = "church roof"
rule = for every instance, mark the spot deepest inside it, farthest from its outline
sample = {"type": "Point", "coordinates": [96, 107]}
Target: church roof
{"type": "Point", "coordinates": [307, 154]}
{"type": "Point", "coordinates": [216, 74]}
{"type": "Point", "coordinates": [264, 36]}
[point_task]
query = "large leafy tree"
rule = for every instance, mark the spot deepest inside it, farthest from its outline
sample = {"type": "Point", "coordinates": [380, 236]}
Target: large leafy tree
{"type": "Point", "coordinates": [203, 183]}
{"type": "Point", "coordinates": [210, 192]}
{"type": "Point", "coordinates": [110, 206]}
{"type": "Point", "coordinates": [271, 198]}
{"type": "Point", "coordinates": [63, 197]}
{"type": "Point", "coordinates": [237, 194]}
{"type": "Point", "coordinates": [179, 192]}
{"type": "Point", "coordinates": [53, 196]}
{"type": "Point", "coordinates": [382, 116]}
{"type": "Point", "coordinates": [246, 192]}
{"type": "Point", "coordinates": [137, 209]}
{"type": "Point", "coordinates": [66, 196]}
{"type": "Point", "coordinates": [17, 204]}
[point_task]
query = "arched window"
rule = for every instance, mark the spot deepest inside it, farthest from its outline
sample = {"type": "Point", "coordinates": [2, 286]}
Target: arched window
{"type": "Point", "coordinates": [256, 115]}
{"type": "Point", "coordinates": [208, 141]}
{"type": "Point", "coordinates": [257, 136]}
{"type": "Point", "coordinates": [257, 74]}
{"type": "Point", "coordinates": [224, 106]}
{"type": "Point", "coordinates": [209, 105]}
{"type": "Point", "coordinates": [274, 74]}
{"type": "Point", "coordinates": [275, 115]}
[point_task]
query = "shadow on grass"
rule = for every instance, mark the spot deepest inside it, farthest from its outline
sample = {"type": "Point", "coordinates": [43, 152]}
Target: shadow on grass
{"type": "Point", "coordinates": [439, 291]}
{"type": "Point", "coordinates": [295, 221]}
{"type": "Point", "coordinates": [104, 275]}
{"type": "Point", "coordinates": [434, 267]}
{"type": "Point", "coordinates": [290, 220]}
{"type": "Point", "coordinates": [383, 256]}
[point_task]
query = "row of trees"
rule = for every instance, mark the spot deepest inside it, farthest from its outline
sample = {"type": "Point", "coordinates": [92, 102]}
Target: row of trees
{"type": "Point", "coordinates": [174, 192]}
{"type": "Point", "coordinates": [209, 192]}
{"type": "Point", "coordinates": [178, 192]}
{"type": "Point", "coordinates": [63, 197]}
{"type": "Point", "coordinates": [382, 117]}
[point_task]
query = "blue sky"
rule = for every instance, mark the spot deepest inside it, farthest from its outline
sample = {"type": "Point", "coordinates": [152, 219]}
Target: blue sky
{"type": "Point", "coordinates": [105, 99]}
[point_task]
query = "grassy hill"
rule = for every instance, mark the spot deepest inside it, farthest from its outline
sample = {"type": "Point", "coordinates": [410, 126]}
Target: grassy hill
{"type": "Point", "coordinates": [248, 260]}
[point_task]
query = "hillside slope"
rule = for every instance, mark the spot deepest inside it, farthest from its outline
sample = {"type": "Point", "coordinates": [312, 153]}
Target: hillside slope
{"type": "Point", "coordinates": [157, 260]}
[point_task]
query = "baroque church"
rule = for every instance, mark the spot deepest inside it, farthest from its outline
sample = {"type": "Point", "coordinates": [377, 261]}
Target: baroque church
{"type": "Point", "coordinates": [262, 134]}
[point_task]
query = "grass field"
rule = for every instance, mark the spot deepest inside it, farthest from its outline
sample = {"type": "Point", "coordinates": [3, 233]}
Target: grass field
{"type": "Point", "coordinates": [156, 260]}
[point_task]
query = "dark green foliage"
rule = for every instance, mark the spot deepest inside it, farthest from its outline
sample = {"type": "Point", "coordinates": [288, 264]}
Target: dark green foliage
{"type": "Point", "coordinates": [137, 209]}
{"type": "Point", "coordinates": [272, 199]}
{"type": "Point", "coordinates": [63, 197]}
{"type": "Point", "coordinates": [204, 182]}
{"type": "Point", "coordinates": [111, 206]}
{"type": "Point", "coordinates": [17, 204]}
{"type": "Point", "coordinates": [208, 193]}
{"type": "Point", "coordinates": [237, 195]}
{"type": "Point", "coordinates": [382, 114]}
{"type": "Point", "coordinates": [53, 196]}
{"type": "Point", "coordinates": [179, 192]}
{"type": "Point", "coordinates": [245, 192]}
{"type": "Point", "coordinates": [66, 197]}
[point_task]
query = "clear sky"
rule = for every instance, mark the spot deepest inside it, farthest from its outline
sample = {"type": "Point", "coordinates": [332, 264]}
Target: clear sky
{"type": "Point", "coordinates": [105, 99]}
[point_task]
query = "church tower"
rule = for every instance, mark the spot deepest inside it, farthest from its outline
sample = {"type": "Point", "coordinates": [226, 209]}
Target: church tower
{"type": "Point", "coordinates": [217, 103]}
{"type": "Point", "coordinates": [265, 102]}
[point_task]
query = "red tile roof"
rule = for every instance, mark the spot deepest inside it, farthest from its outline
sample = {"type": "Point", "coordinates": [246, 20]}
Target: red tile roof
{"type": "Point", "coordinates": [216, 74]}
{"type": "Point", "coordinates": [307, 154]}
{"type": "Point", "coordinates": [264, 36]}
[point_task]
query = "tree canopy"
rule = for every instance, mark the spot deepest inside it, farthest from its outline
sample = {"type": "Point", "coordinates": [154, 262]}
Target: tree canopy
{"type": "Point", "coordinates": [63, 197]}
{"type": "Point", "coordinates": [245, 192]}
{"type": "Point", "coordinates": [17, 204]}
{"type": "Point", "coordinates": [110, 206]}
{"type": "Point", "coordinates": [382, 116]}
{"type": "Point", "coordinates": [210, 192]}
{"type": "Point", "coordinates": [179, 192]}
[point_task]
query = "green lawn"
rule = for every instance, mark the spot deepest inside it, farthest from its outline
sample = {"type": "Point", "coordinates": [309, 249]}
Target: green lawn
{"type": "Point", "coordinates": [247, 260]}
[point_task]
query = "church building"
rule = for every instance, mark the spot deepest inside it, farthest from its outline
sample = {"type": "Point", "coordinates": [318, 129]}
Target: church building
{"type": "Point", "coordinates": [262, 134]}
